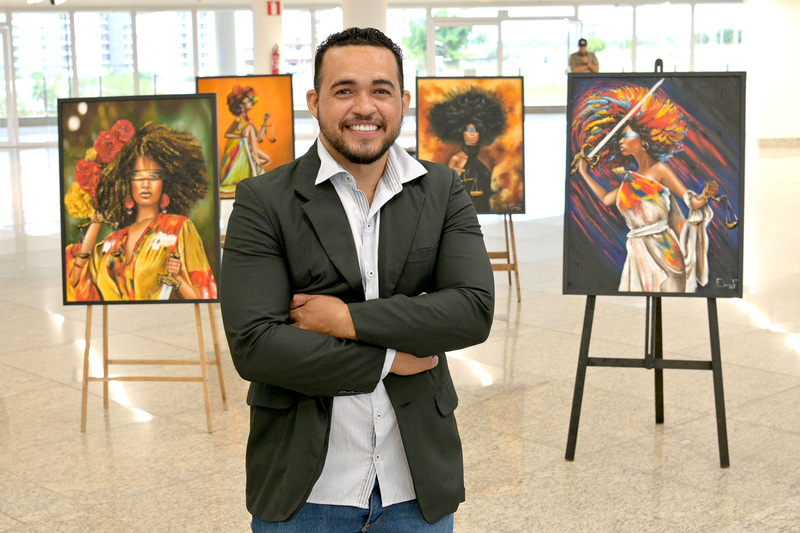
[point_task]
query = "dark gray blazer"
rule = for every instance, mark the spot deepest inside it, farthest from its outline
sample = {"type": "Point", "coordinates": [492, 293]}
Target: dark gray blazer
{"type": "Point", "coordinates": [287, 236]}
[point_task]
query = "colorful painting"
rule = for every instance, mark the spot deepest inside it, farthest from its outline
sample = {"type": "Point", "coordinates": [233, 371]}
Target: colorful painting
{"type": "Point", "coordinates": [140, 211]}
{"type": "Point", "coordinates": [655, 184]}
{"type": "Point", "coordinates": [255, 125]}
{"type": "Point", "coordinates": [475, 126]}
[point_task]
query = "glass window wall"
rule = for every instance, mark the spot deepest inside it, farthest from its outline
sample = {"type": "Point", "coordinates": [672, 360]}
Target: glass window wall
{"type": "Point", "coordinates": [5, 109]}
{"type": "Point", "coordinates": [42, 71]}
{"type": "Point", "coordinates": [718, 37]}
{"type": "Point", "coordinates": [663, 31]}
{"type": "Point", "coordinates": [165, 52]}
{"type": "Point", "coordinates": [609, 34]}
{"type": "Point", "coordinates": [298, 51]}
{"type": "Point", "coordinates": [469, 50]}
{"type": "Point", "coordinates": [104, 44]}
{"type": "Point", "coordinates": [532, 41]}
{"type": "Point", "coordinates": [408, 28]}
{"type": "Point", "coordinates": [225, 43]}
{"type": "Point", "coordinates": [537, 50]}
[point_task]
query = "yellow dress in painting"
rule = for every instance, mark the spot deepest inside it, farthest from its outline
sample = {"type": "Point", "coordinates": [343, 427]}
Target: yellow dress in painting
{"type": "Point", "coordinates": [110, 276]}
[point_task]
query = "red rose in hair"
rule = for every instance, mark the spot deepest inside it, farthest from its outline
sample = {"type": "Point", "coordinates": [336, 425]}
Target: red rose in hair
{"type": "Point", "coordinates": [124, 130]}
{"type": "Point", "coordinates": [107, 145]}
{"type": "Point", "coordinates": [87, 174]}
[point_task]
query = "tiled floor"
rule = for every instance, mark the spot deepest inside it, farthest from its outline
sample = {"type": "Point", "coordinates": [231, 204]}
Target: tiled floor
{"type": "Point", "coordinates": [147, 463]}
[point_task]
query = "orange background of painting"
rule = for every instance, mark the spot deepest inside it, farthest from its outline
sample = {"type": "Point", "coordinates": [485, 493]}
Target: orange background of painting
{"type": "Point", "coordinates": [274, 95]}
{"type": "Point", "coordinates": [505, 154]}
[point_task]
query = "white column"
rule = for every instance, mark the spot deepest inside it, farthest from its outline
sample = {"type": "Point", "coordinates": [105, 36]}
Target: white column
{"type": "Point", "coordinates": [364, 13]}
{"type": "Point", "coordinates": [267, 32]}
{"type": "Point", "coordinates": [773, 77]}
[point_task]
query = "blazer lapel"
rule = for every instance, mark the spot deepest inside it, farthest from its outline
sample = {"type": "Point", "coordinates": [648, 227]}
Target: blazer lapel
{"type": "Point", "coordinates": [399, 221]}
{"type": "Point", "coordinates": [327, 216]}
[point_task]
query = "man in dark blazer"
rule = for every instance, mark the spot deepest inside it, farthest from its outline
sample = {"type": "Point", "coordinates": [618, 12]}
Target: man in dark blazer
{"type": "Point", "coordinates": [346, 276]}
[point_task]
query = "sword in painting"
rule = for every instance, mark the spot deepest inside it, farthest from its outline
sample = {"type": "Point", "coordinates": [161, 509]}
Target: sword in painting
{"type": "Point", "coordinates": [168, 282]}
{"type": "Point", "coordinates": [591, 156]}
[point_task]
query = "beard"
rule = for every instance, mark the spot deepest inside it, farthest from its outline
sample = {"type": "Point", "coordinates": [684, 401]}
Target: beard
{"type": "Point", "coordinates": [359, 155]}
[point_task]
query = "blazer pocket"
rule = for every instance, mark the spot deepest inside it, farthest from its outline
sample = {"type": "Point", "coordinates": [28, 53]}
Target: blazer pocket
{"type": "Point", "coordinates": [446, 398]}
{"type": "Point", "coordinates": [261, 395]}
{"type": "Point", "coordinates": [422, 255]}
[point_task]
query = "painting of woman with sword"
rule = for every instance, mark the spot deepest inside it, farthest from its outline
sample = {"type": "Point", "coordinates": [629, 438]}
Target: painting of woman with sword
{"type": "Point", "coordinates": [651, 190]}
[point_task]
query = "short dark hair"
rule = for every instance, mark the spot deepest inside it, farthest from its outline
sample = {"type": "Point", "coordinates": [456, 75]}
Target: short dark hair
{"type": "Point", "coordinates": [357, 37]}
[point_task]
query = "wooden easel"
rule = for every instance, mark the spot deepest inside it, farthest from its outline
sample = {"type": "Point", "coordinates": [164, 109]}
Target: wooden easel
{"type": "Point", "coordinates": [653, 360]}
{"type": "Point", "coordinates": [106, 362]}
{"type": "Point", "coordinates": [510, 255]}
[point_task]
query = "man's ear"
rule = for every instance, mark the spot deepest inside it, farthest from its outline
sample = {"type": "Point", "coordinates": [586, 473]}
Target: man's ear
{"type": "Point", "coordinates": [312, 99]}
{"type": "Point", "coordinates": [406, 102]}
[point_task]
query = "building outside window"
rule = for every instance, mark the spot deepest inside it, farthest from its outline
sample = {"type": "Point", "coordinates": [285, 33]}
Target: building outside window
{"type": "Point", "coordinates": [531, 41]}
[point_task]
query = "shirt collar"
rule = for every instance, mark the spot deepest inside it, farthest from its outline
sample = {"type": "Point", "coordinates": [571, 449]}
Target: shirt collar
{"type": "Point", "coordinates": [400, 167]}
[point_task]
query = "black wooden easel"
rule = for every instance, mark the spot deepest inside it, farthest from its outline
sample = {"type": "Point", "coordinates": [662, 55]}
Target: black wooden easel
{"type": "Point", "coordinates": [653, 360]}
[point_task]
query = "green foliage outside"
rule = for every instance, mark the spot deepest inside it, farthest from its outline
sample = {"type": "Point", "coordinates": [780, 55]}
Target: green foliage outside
{"type": "Point", "coordinates": [729, 36]}
{"type": "Point", "coordinates": [595, 45]}
{"type": "Point", "coordinates": [452, 43]}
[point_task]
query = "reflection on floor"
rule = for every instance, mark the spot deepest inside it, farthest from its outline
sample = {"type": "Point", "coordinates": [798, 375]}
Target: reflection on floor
{"type": "Point", "coordinates": [148, 464]}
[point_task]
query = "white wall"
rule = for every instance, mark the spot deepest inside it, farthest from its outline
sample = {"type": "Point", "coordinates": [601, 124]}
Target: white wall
{"type": "Point", "coordinates": [772, 39]}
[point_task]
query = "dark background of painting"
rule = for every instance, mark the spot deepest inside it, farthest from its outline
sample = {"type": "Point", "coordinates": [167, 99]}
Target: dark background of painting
{"type": "Point", "coordinates": [595, 235]}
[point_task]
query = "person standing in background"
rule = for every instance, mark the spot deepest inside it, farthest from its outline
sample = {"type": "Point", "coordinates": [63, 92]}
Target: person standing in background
{"type": "Point", "coordinates": [583, 60]}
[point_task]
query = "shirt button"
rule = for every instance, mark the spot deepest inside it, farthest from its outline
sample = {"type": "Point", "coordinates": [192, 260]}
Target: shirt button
{"type": "Point", "coordinates": [369, 226]}
{"type": "Point", "coordinates": [379, 416]}
{"type": "Point", "coordinates": [378, 457]}
{"type": "Point", "coordinates": [371, 273]}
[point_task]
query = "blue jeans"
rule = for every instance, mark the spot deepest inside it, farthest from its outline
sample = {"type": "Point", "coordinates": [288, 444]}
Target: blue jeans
{"type": "Point", "coordinates": [399, 518]}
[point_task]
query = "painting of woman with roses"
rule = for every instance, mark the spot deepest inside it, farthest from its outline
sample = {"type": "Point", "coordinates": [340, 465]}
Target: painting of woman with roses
{"type": "Point", "coordinates": [132, 196]}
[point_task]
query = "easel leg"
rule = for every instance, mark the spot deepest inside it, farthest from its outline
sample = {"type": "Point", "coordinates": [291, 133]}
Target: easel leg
{"type": "Point", "coordinates": [105, 356]}
{"type": "Point", "coordinates": [580, 378]}
{"type": "Point", "coordinates": [85, 385]}
{"type": "Point", "coordinates": [215, 339]}
{"type": "Point", "coordinates": [719, 396]}
{"type": "Point", "coordinates": [203, 366]}
{"type": "Point", "coordinates": [506, 220]}
{"type": "Point", "coordinates": [658, 354]}
{"type": "Point", "coordinates": [514, 258]}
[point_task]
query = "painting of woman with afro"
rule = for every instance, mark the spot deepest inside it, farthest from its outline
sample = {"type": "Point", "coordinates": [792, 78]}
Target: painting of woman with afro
{"type": "Point", "coordinates": [138, 185]}
{"type": "Point", "coordinates": [656, 209]}
{"type": "Point", "coordinates": [474, 126]}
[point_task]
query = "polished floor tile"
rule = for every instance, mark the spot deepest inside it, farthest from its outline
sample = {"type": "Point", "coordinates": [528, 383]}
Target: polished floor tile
{"type": "Point", "coordinates": [147, 462]}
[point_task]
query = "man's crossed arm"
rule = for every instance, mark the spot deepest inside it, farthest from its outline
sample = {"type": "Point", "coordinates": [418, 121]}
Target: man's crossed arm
{"type": "Point", "coordinates": [330, 315]}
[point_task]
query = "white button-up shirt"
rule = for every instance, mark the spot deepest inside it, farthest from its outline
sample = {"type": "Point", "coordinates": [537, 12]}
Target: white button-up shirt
{"type": "Point", "coordinates": [365, 439]}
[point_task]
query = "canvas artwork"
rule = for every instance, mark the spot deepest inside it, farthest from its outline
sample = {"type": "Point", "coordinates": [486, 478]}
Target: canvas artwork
{"type": "Point", "coordinates": [140, 211]}
{"type": "Point", "coordinates": [475, 126]}
{"type": "Point", "coordinates": [655, 184]}
{"type": "Point", "coordinates": [255, 125]}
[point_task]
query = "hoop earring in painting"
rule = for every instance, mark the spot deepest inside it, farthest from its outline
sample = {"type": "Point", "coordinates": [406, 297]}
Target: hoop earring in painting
{"type": "Point", "coordinates": [129, 205]}
{"type": "Point", "coordinates": [646, 146]}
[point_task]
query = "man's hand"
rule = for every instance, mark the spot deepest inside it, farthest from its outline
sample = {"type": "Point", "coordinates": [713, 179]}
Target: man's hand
{"type": "Point", "coordinates": [322, 314]}
{"type": "Point", "coordinates": [406, 364]}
